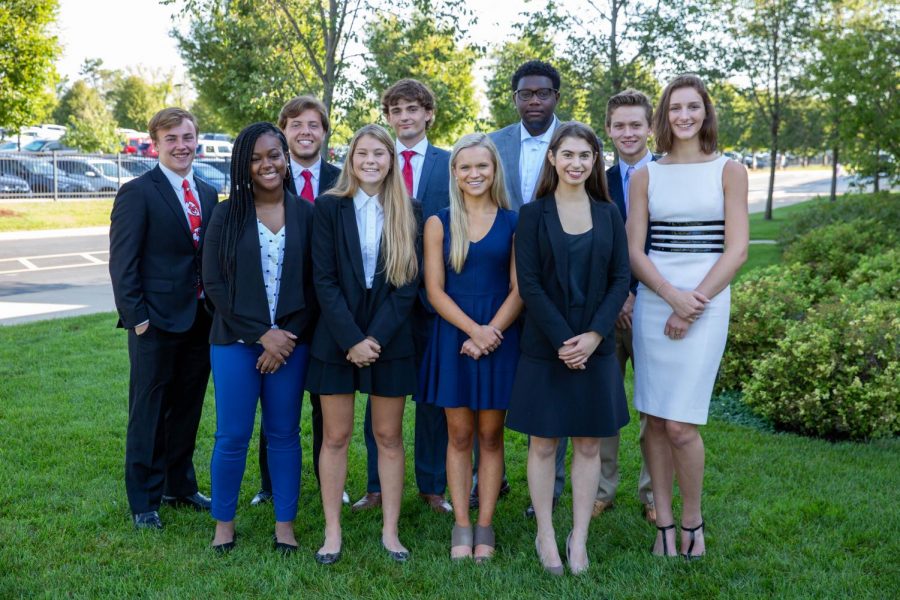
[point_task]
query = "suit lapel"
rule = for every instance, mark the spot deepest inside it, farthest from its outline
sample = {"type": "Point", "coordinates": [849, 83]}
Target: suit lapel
{"type": "Point", "coordinates": [170, 199]}
{"type": "Point", "coordinates": [208, 201]}
{"type": "Point", "coordinates": [512, 147]}
{"type": "Point", "coordinates": [425, 176]}
{"type": "Point", "coordinates": [558, 243]}
{"type": "Point", "coordinates": [291, 268]}
{"type": "Point", "coordinates": [351, 239]}
{"type": "Point", "coordinates": [328, 175]}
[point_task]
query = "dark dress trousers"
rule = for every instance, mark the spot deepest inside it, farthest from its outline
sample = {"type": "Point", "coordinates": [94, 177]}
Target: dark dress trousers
{"type": "Point", "coordinates": [328, 175]}
{"type": "Point", "coordinates": [430, 453]}
{"type": "Point", "coordinates": [155, 272]}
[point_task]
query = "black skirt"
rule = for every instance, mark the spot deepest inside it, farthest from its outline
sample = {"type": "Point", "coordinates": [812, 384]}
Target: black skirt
{"type": "Point", "coordinates": [382, 378]}
{"type": "Point", "coordinates": [549, 400]}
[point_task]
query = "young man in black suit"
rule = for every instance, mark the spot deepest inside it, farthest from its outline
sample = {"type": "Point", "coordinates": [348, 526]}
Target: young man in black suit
{"type": "Point", "coordinates": [628, 117]}
{"type": "Point", "coordinates": [304, 122]}
{"type": "Point", "coordinates": [408, 106]}
{"type": "Point", "coordinates": [155, 241]}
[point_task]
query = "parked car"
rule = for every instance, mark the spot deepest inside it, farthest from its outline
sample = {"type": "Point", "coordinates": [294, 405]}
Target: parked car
{"type": "Point", "coordinates": [214, 149]}
{"type": "Point", "coordinates": [10, 184]}
{"type": "Point", "coordinates": [9, 146]}
{"type": "Point", "coordinates": [223, 165]}
{"type": "Point", "coordinates": [148, 150]}
{"type": "Point", "coordinates": [131, 145]}
{"type": "Point", "coordinates": [39, 175]}
{"type": "Point", "coordinates": [101, 174]}
{"type": "Point", "coordinates": [46, 146]}
{"type": "Point", "coordinates": [212, 176]}
{"type": "Point", "coordinates": [222, 137]}
{"type": "Point", "coordinates": [138, 166]}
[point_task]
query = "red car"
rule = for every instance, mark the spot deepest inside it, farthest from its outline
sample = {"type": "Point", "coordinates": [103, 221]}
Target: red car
{"type": "Point", "coordinates": [147, 149]}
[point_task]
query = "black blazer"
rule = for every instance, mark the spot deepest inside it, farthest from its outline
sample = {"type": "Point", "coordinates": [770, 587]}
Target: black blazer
{"type": "Point", "coordinates": [340, 284]}
{"type": "Point", "coordinates": [543, 276]}
{"type": "Point", "coordinates": [246, 316]}
{"type": "Point", "coordinates": [154, 267]}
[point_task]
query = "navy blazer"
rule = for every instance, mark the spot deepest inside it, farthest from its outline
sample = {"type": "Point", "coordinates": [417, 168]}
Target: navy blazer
{"type": "Point", "coordinates": [434, 181]}
{"type": "Point", "coordinates": [153, 265]}
{"type": "Point", "coordinates": [246, 315]}
{"type": "Point", "coordinates": [614, 183]}
{"type": "Point", "coordinates": [347, 316]}
{"type": "Point", "coordinates": [542, 270]}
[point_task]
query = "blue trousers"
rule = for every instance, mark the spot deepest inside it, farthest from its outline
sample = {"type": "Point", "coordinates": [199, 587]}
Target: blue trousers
{"type": "Point", "coordinates": [238, 387]}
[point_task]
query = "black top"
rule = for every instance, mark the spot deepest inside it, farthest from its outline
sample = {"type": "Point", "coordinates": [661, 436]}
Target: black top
{"type": "Point", "coordinates": [246, 316]}
{"type": "Point", "coordinates": [579, 261]}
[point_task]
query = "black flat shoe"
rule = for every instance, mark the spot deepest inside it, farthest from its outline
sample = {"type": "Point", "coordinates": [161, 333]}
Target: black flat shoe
{"type": "Point", "coordinates": [328, 559]}
{"type": "Point", "coordinates": [226, 547]}
{"type": "Point", "coordinates": [261, 497]}
{"type": "Point", "coordinates": [400, 556]}
{"type": "Point", "coordinates": [282, 547]}
{"type": "Point", "coordinates": [147, 520]}
{"type": "Point", "coordinates": [197, 501]}
{"type": "Point", "coordinates": [687, 555]}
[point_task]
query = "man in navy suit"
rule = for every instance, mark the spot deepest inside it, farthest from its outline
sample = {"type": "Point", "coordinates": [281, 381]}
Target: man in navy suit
{"type": "Point", "coordinates": [304, 122]}
{"type": "Point", "coordinates": [522, 147]}
{"type": "Point", "coordinates": [156, 236]}
{"type": "Point", "coordinates": [408, 107]}
{"type": "Point", "coordinates": [628, 117]}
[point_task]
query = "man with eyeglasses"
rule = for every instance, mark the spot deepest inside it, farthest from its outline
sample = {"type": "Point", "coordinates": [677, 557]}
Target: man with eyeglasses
{"type": "Point", "coordinates": [523, 145]}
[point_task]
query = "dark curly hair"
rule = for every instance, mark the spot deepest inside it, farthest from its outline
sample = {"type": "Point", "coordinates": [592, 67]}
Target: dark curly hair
{"type": "Point", "coordinates": [539, 68]}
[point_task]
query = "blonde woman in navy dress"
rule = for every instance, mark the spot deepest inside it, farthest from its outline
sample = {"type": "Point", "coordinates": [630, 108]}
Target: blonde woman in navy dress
{"type": "Point", "coordinates": [365, 249]}
{"type": "Point", "coordinates": [572, 269]}
{"type": "Point", "coordinates": [470, 276]}
{"type": "Point", "coordinates": [695, 203]}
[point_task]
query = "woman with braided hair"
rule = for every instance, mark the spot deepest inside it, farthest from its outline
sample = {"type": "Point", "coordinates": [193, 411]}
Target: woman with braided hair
{"type": "Point", "coordinates": [257, 273]}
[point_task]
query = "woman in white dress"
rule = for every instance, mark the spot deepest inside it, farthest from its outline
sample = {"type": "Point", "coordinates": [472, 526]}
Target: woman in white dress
{"type": "Point", "coordinates": [695, 204]}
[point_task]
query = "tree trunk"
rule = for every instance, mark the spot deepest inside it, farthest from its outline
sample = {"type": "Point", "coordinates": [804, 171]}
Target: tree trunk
{"type": "Point", "coordinates": [834, 172]}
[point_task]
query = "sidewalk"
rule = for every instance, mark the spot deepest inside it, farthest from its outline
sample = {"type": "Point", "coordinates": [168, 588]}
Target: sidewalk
{"type": "Point", "coordinates": [40, 234]}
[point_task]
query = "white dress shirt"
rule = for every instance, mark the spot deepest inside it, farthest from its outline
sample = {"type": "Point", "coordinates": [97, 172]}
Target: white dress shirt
{"type": "Point", "coordinates": [623, 172]}
{"type": "Point", "coordinates": [418, 160]}
{"type": "Point", "coordinates": [297, 171]}
{"type": "Point", "coordinates": [531, 158]}
{"type": "Point", "coordinates": [175, 181]}
{"type": "Point", "coordinates": [370, 224]}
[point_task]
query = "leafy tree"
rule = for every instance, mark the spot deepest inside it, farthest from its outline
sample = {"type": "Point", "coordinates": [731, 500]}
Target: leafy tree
{"type": "Point", "coordinates": [28, 53]}
{"type": "Point", "coordinates": [89, 125]}
{"type": "Point", "coordinates": [427, 46]}
{"type": "Point", "coordinates": [135, 100]}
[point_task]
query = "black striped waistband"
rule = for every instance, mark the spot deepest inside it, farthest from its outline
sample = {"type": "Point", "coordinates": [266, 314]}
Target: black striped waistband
{"type": "Point", "coordinates": [685, 236]}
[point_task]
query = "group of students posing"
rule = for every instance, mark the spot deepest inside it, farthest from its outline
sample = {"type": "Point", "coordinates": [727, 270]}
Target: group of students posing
{"type": "Point", "coordinates": [495, 284]}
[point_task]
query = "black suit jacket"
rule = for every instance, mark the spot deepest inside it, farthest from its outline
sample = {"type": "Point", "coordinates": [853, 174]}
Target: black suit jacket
{"type": "Point", "coordinates": [614, 183]}
{"type": "Point", "coordinates": [347, 318]}
{"type": "Point", "coordinates": [543, 276]}
{"type": "Point", "coordinates": [246, 316]}
{"type": "Point", "coordinates": [154, 267]}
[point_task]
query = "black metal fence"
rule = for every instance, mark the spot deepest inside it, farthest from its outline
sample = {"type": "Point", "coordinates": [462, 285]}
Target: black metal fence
{"type": "Point", "coordinates": [66, 175]}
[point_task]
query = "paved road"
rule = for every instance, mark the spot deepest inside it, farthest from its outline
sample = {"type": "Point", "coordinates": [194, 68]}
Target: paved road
{"type": "Point", "coordinates": [58, 274]}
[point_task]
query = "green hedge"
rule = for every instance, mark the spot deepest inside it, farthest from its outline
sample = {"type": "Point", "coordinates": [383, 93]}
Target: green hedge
{"type": "Point", "coordinates": [812, 342]}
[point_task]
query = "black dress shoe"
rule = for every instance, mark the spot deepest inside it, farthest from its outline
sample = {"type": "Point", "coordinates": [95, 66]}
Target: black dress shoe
{"type": "Point", "coordinates": [328, 559]}
{"type": "Point", "coordinates": [197, 501]}
{"type": "Point", "coordinates": [529, 512]}
{"type": "Point", "coordinates": [226, 547]}
{"type": "Point", "coordinates": [281, 547]}
{"type": "Point", "coordinates": [505, 488]}
{"type": "Point", "coordinates": [261, 497]}
{"type": "Point", "coordinates": [401, 556]}
{"type": "Point", "coordinates": [147, 520]}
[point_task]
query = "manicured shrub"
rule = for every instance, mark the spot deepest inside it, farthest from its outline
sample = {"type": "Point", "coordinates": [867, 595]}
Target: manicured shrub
{"type": "Point", "coordinates": [833, 251]}
{"type": "Point", "coordinates": [875, 277]}
{"type": "Point", "coordinates": [835, 374]}
{"type": "Point", "coordinates": [883, 207]}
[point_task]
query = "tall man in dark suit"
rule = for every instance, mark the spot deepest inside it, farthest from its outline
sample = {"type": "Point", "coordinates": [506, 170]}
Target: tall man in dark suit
{"type": "Point", "coordinates": [304, 122]}
{"type": "Point", "coordinates": [408, 107]}
{"type": "Point", "coordinates": [155, 240]}
{"type": "Point", "coordinates": [522, 147]}
{"type": "Point", "coordinates": [628, 117]}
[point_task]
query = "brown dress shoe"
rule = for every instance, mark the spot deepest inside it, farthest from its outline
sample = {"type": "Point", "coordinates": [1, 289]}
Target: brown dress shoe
{"type": "Point", "coordinates": [370, 500]}
{"type": "Point", "coordinates": [650, 513]}
{"type": "Point", "coordinates": [599, 507]}
{"type": "Point", "coordinates": [437, 502]}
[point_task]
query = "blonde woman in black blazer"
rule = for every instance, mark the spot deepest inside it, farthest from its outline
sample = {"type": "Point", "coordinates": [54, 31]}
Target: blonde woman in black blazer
{"type": "Point", "coordinates": [366, 238]}
{"type": "Point", "coordinates": [257, 274]}
{"type": "Point", "coordinates": [573, 275]}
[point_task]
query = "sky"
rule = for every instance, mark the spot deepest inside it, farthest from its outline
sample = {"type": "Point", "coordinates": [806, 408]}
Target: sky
{"type": "Point", "coordinates": [134, 34]}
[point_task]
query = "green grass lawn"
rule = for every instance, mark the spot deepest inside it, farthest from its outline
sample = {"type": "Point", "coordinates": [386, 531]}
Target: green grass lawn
{"type": "Point", "coordinates": [25, 216]}
{"type": "Point", "coordinates": [787, 517]}
{"type": "Point", "coordinates": [760, 229]}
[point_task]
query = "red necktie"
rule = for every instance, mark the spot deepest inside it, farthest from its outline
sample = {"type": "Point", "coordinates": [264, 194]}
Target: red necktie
{"type": "Point", "coordinates": [407, 169]}
{"type": "Point", "coordinates": [307, 192]}
{"type": "Point", "coordinates": [193, 210]}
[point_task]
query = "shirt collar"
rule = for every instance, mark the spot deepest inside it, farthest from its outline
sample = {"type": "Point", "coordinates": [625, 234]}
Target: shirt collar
{"type": "Point", "coordinates": [297, 168]}
{"type": "Point", "coordinates": [640, 163]}
{"type": "Point", "coordinates": [361, 199]}
{"type": "Point", "coordinates": [421, 148]}
{"type": "Point", "coordinates": [175, 179]}
{"type": "Point", "coordinates": [543, 138]}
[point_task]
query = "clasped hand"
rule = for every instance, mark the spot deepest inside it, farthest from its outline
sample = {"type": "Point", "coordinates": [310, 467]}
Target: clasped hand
{"type": "Point", "coordinates": [576, 351]}
{"type": "Point", "coordinates": [484, 340]}
{"type": "Point", "coordinates": [365, 352]}
{"type": "Point", "coordinates": [688, 305]}
{"type": "Point", "coordinates": [676, 327]}
{"type": "Point", "coordinates": [277, 346]}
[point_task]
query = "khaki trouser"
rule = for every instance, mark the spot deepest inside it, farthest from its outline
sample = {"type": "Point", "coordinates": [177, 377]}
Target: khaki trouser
{"type": "Point", "coordinates": [609, 447]}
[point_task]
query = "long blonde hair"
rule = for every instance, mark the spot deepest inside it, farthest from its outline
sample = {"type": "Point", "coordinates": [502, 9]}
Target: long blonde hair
{"type": "Point", "coordinates": [459, 217]}
{"type": "Point", "coordinates": [398, 239]}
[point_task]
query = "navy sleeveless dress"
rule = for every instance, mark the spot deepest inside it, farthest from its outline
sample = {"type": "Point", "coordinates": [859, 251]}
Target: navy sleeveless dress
{"type": "Point", "coordinates": [453, 380]}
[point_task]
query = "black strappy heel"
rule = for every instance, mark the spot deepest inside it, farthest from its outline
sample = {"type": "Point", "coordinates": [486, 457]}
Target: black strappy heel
{"type": "Point", "coordinates": [687, 555]}
{"type": "Point", "coordinates": [665, 544]}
